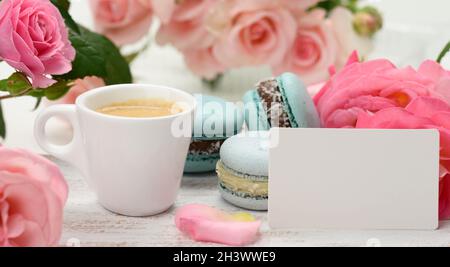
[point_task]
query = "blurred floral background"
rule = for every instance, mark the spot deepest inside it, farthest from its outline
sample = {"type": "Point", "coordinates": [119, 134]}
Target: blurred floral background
{"type": "Point", "coordinates": [413, 30]}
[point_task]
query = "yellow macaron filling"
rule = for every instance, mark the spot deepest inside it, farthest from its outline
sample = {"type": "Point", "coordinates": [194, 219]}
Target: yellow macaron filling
{"type": "Point", "coordinates": [239, 184]}
{"type": "Point", "coordinates": [243, 217]}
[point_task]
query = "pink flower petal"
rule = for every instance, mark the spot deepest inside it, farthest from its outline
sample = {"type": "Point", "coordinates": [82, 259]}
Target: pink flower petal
{"type": "Point", "coordinates": [206, 224]}
{"type": "Point", "coordinates": [16, 226]}
{"type": "Point", "coordinates": [354, 58]}
{"type": "Point", "coordinates": [32, 236]}
{"type": "Point", "coordinates": [432, 70]}
{"type": "Point", "coordinates": [427, 106]}
{"type": "Point", "coordinates": [391, 118]}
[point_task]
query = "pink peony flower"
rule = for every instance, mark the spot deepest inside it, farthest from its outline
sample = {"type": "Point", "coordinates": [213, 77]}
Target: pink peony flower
{"type": "Point", "coordinates": [206, 224]}
{"type": "Point", "coordinates": [81, 86]}
{"type": "Point", "coordinates": [123, 21]}
{"type": "Point", "coordinates": [347, 40]}
{"type": "Point", "coordinates": [186, 29]}
{"type": "Point", "coordinates": [314, 51]}
{"type": "Point", "coordinates": [32, 196]}
{"type": "Point", "coordinates": [252, 32]}
{"type": "Point", "coordinates": [34, 40]}
{"type": "Point", "coordinates": [375, 85]}
{"type": "Point", "coordinates": [376, 94]}
{"type": "Point", "coordinates": [421, 113]}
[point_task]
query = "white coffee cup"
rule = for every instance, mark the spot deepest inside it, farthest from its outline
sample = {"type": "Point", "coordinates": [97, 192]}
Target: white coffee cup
{"type": "Point", "coordinates": [134, 165]}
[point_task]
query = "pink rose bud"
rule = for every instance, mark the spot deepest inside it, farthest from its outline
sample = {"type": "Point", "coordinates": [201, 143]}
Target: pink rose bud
{"type": "Point", "coordinates": [32, 197]}
{"type": "Point", "coordinates": [368, 21]}
{"type": "Point", "coordinates": [79, 87]}
{"type": "Point", "coordinates": [34, 40]}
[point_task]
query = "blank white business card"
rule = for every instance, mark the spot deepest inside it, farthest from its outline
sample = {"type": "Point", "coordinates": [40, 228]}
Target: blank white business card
{"type": "Point", "coordinates": [354, 179]}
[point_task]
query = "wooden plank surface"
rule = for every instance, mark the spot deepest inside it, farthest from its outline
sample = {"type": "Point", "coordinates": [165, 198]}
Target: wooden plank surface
{"type": "Point", "coordinates": [86, 223]}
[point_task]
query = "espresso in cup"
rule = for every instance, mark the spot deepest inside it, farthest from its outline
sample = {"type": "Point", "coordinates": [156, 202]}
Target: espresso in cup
{"type": "Point", "coordinates": [134, 165]}
{"type": "Point", "coordinates": [141, 108]}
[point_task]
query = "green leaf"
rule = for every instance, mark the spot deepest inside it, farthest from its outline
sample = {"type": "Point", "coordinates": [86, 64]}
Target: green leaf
{"type": "Point", "coordinates": [443, 53]}
{"type": "Point", "coordinates": [56, 91]}
{"type": "Point", "coordinates": [38, 103]}
{"type": "Point", "coordinates": [17, 83]}
{"type": "Point", "coordinates": [213, 83]}
{"type": "Point", "coordinates": [2, 123]}
{"type": "Point", "coordinates": [97, 56]}
{"type": "Point", "coordinates": [4, 85]}
{"type": "Point", "coordinates": [63, 7]}
{"type": "Point", "coordinates": [329, 5]}
{"type": "Point", "coordinates": [352, 5]}
{"type": "Point", "coordinates": [131, 57]}
{"type": "Point", "coordinates": [38, 93]}
{"type": "Point", "coordinates": [65, 4]}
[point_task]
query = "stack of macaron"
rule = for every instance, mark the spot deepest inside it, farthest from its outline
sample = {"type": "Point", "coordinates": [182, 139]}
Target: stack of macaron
{"type": "Point", "coordinates": [215, 120]}
{"type": "Point", "coordinates": [243, 168]}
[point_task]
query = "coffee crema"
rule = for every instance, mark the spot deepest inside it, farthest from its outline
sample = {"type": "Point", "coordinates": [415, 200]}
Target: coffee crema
{"type": "Point", "coordinates": [142, 108]}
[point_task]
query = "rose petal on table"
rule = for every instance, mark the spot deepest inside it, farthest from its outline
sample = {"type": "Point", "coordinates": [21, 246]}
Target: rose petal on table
{"type": "Point", "coordinates": [206, 224]}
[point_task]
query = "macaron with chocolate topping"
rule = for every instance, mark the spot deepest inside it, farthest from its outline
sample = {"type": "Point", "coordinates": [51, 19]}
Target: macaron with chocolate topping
{"type": "Point", "coordinates": [215, 120]}
{"type": "Point", "coordinates": [280, 102]}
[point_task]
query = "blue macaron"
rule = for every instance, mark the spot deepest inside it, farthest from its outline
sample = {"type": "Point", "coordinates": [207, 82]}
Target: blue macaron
{"type": "Point", "coordinates": [243, 170]}
{"type": "Point", "coordinates": [215, 120]}
{"type": "Point", "coordinates": [280, 102]}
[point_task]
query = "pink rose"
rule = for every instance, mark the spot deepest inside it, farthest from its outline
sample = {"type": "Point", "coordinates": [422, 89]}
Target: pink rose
{"type": "Point", "coordinates": [253, 32]}
{"type": "Point", "coordinates": [186, 29]}
{"type": "Point", "coordinates": [81, 86]}
{"type": "Point", "coordinates": [347, 39]}
{"type": "Point", "coordinates": [420, 113]}
{"type": "Point", "coordinates": [164, 9]}
{"type": "Point", "coordinates": [34, 40]}
{"type": "Point", "coordinates": [314, 50]}
{"type": "Point", "coordinates": [203, 63]}
{"type": "Point", "coordinates": [123, 21]}
{"type": "Point", "coordinates": [32, 197]}
{"type": "Point", "coordinates": [375, 85]}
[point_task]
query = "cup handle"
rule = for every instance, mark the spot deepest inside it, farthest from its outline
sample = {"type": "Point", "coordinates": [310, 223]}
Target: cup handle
{"type": "Point", "coordinates": [73, 151]}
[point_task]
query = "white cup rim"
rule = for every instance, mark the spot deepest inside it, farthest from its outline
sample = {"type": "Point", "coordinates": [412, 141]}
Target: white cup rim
{"type": "Point", "coordinates": [81, 101]}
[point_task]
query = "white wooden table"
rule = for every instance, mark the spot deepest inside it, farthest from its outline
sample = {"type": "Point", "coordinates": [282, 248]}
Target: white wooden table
{"type": "Point", "coordinates": [86, 223]}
